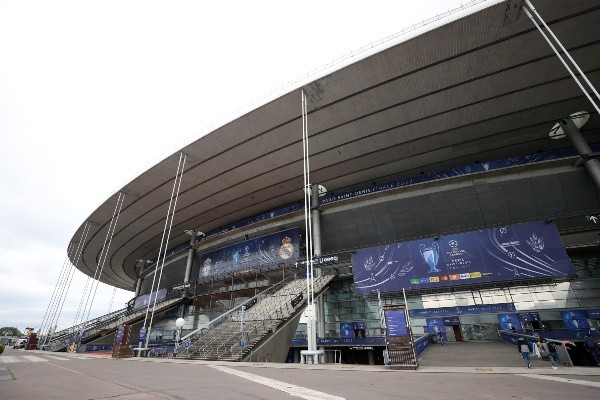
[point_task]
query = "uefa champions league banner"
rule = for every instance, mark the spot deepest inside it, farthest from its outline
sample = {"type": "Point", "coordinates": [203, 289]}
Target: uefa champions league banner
{"type": "Point", "coordinates": [250, 254]}
{"type": "Point", "coordinates": [509, 253]}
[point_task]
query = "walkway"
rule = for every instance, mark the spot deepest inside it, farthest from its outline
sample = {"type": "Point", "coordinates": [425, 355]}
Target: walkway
{"type": "Point", "coordinates": [81, 377]}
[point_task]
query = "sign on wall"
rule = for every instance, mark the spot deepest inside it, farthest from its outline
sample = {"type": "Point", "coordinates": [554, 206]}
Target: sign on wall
{"type": "Point", "coordinates": [395, 321]}
{"type": "Point", "coordinates": [517, 252]}
{"type": "Point", "coordinates": [247, 255]}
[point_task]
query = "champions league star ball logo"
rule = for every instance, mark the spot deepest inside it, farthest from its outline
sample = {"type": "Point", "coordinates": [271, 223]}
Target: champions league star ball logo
{"type": "Point", "coordinates": [431, 255]}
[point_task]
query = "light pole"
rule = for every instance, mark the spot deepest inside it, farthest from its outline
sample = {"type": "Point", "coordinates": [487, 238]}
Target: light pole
{"type": "Point", "coordinates": [179, 323]}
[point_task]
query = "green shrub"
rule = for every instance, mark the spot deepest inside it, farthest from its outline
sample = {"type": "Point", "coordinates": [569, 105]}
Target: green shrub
{"type": "Point", "coordinates": [1, 348]}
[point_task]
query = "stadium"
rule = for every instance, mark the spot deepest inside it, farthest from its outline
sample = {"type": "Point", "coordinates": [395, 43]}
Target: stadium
{"type": "Point", "coordinates": [445, 180]}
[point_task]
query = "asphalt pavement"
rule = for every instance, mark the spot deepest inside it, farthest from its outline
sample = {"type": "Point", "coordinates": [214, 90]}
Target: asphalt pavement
{"type": "Point", "coordinates": [454, 371]}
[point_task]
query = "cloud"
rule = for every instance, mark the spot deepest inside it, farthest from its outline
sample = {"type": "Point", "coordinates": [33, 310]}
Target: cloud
{"type": "Point", "coordinates": [94, 93]}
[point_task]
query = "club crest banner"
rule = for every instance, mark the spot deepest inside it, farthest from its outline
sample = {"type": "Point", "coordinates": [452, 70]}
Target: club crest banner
{"type": "Point", "coordinates": [265, 251]}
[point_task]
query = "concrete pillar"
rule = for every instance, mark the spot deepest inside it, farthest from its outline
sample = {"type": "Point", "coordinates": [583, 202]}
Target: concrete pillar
{"type": "Point", "coordinates": [190, 258]}
{"type": "Point", "coordinates": [316, 220]}
{"type": "Point", "coordinates": [592, 165]}
{"type": "Point", "coordinates": [316, 231]}
{"type": "Point", "coordinates": [138, 286]}
{"type": "Point", "coordinates": [320, 316]}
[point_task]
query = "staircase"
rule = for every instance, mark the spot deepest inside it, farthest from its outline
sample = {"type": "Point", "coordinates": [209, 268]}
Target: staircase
{"type": "Point", "coordinates": [234, 334]}
{"type": "Point", "coordinates": [103, 325]}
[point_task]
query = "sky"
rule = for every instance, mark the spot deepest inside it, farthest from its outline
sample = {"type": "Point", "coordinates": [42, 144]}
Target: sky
{"type": "Point", "coordinates": [93, 93]}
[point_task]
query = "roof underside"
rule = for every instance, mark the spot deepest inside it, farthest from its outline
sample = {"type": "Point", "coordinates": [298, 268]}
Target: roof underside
{"type": "Point", "coordinates": [478, 88]}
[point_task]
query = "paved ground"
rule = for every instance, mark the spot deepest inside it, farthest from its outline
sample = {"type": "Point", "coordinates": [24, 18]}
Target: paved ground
{"type": "Point", "coordinates": [450, 372]}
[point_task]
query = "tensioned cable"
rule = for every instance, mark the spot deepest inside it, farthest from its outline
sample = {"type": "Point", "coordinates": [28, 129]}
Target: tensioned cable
{"type": "Point", "coordinates": [103, 252]}
{"type": "Point", "coordinates": [308, 193]}
{"type": "Point", "coordinates": [62, 293]}
{"type": "Point", "coordinates": [160, 251]}
{"type": "Point", "coordinates": [532, 8]}
{"type": "Point", "coordinates": [112, 299]}
{"type": "Point", "coordinates": [166, 246]}
{"type": "Point", "coordinates": [55, 291]}
{"type": "Point", "coordinates": [66, 288]}
{"type": "Point", "coordinates": [103, 259]}
{"type": "Point", "coordinates": [85, 295]}
{"type": "Point", "coordinates": [305, 190]}
{"type": "Point", "coordinates": [308, 228]}
{"type": "Point", "coordinates": [85, 290]}
{"type": "Point", "coordinates": [162, 239]}
{"type": "Point", "coordinates": [585, 92]}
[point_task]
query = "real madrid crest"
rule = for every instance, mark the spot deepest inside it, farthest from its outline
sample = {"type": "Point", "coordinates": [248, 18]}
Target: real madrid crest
{"type": "Point", "coordinates": [287, 248]}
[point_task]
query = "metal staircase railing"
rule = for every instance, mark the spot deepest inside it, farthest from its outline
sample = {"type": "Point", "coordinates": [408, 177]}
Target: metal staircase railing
{"type": "Point", "coordinates": [109, 322]}
{"type": "Point", "coordinates": [235, 333]}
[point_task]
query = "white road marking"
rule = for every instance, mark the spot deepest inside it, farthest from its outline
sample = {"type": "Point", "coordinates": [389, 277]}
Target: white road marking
{"type": "Point", "coordinates": [563, 380]}
{"type": "Point", "coordinates": [57, 358]}
{"type": "Point", "coordinates": [81, 357]}
{"type": "Point", "coordinates": [9, 359]}
{"type": "Point", "coordinates": [293, 390]}
{"type": "Point", "coordinates": [34, 358]}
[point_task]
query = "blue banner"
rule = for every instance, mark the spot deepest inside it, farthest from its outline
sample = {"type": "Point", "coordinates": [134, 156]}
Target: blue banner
{"type": "Point", "coordinates": [246, 256]}
{"type": "Point", "coordinates": [462, 310]}
{"type": "Point", "coordinates": [575, 319]}
{"type": "Point", "coordinates": [142, 335]}
{"type": "Point", "coordinates": [347, 330]}
{"type": "Point", "coordinates": [422, 343]}
{"type": "Point", "coordinates": [510, 322]}
{"type": "Point", "coordinates": [594, 313]}
{"type": "Point", "coordinates": [290, 208]}
{"type": "Point", "coordinates": [454, 172]}
{"type": "Point", "coordinates": [395, 320]}
{"type": "Point", "coordinates": [143, 300]}
{"type": "Point", "coordinates": [119, 335]}
{"type": "Point", "coordinates": [435, 325]}
{"type": "Point", "coordinates": [529, 316]}
{"type": "Point", "coordinates": [366, 341]}
{"type": "Point", "coordinates": [450, 321]}
{"type": "Point", "coordinates": [508, 253]}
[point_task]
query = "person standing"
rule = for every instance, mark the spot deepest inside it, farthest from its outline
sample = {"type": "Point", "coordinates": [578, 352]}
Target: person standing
{"type": "Point", "coordinates": [523, 348]}
{"type": "Point", "coordinates": [548, 349]}
{"type": "Point", "coordinates": [592, 347]}
{"type": "Point", "coordinates": [441, 337]}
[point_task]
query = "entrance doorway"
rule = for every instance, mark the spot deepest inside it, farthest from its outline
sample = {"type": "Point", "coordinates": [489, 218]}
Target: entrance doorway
{"type": "Point", "coordinates": [457, 333]}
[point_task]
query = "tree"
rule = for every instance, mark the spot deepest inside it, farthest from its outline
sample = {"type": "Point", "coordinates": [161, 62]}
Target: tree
{"type": "Point", "coordinates": [10, 331]}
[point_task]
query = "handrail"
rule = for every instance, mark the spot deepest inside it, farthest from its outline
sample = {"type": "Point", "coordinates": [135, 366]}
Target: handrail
{"type": "Point", "coordinates": [225, 334]}
{"type": "Point", "coordinates": [66, 336]}
{"type": "Point", "coordinates": [238, 308]}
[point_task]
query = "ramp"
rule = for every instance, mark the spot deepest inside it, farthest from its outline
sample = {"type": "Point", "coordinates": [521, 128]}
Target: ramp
{"type": "Point", "coordinates": [104, 325]}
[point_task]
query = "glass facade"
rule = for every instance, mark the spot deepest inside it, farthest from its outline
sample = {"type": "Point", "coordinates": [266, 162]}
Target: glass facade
{"type": "Point", "coordinates": [343, 309]}
{"type": "Point", "coordinates": [341, 306]}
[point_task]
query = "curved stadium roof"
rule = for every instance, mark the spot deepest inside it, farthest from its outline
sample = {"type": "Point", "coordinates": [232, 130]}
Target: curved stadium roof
{"type": "Point", "coordinates": [483, 86]}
